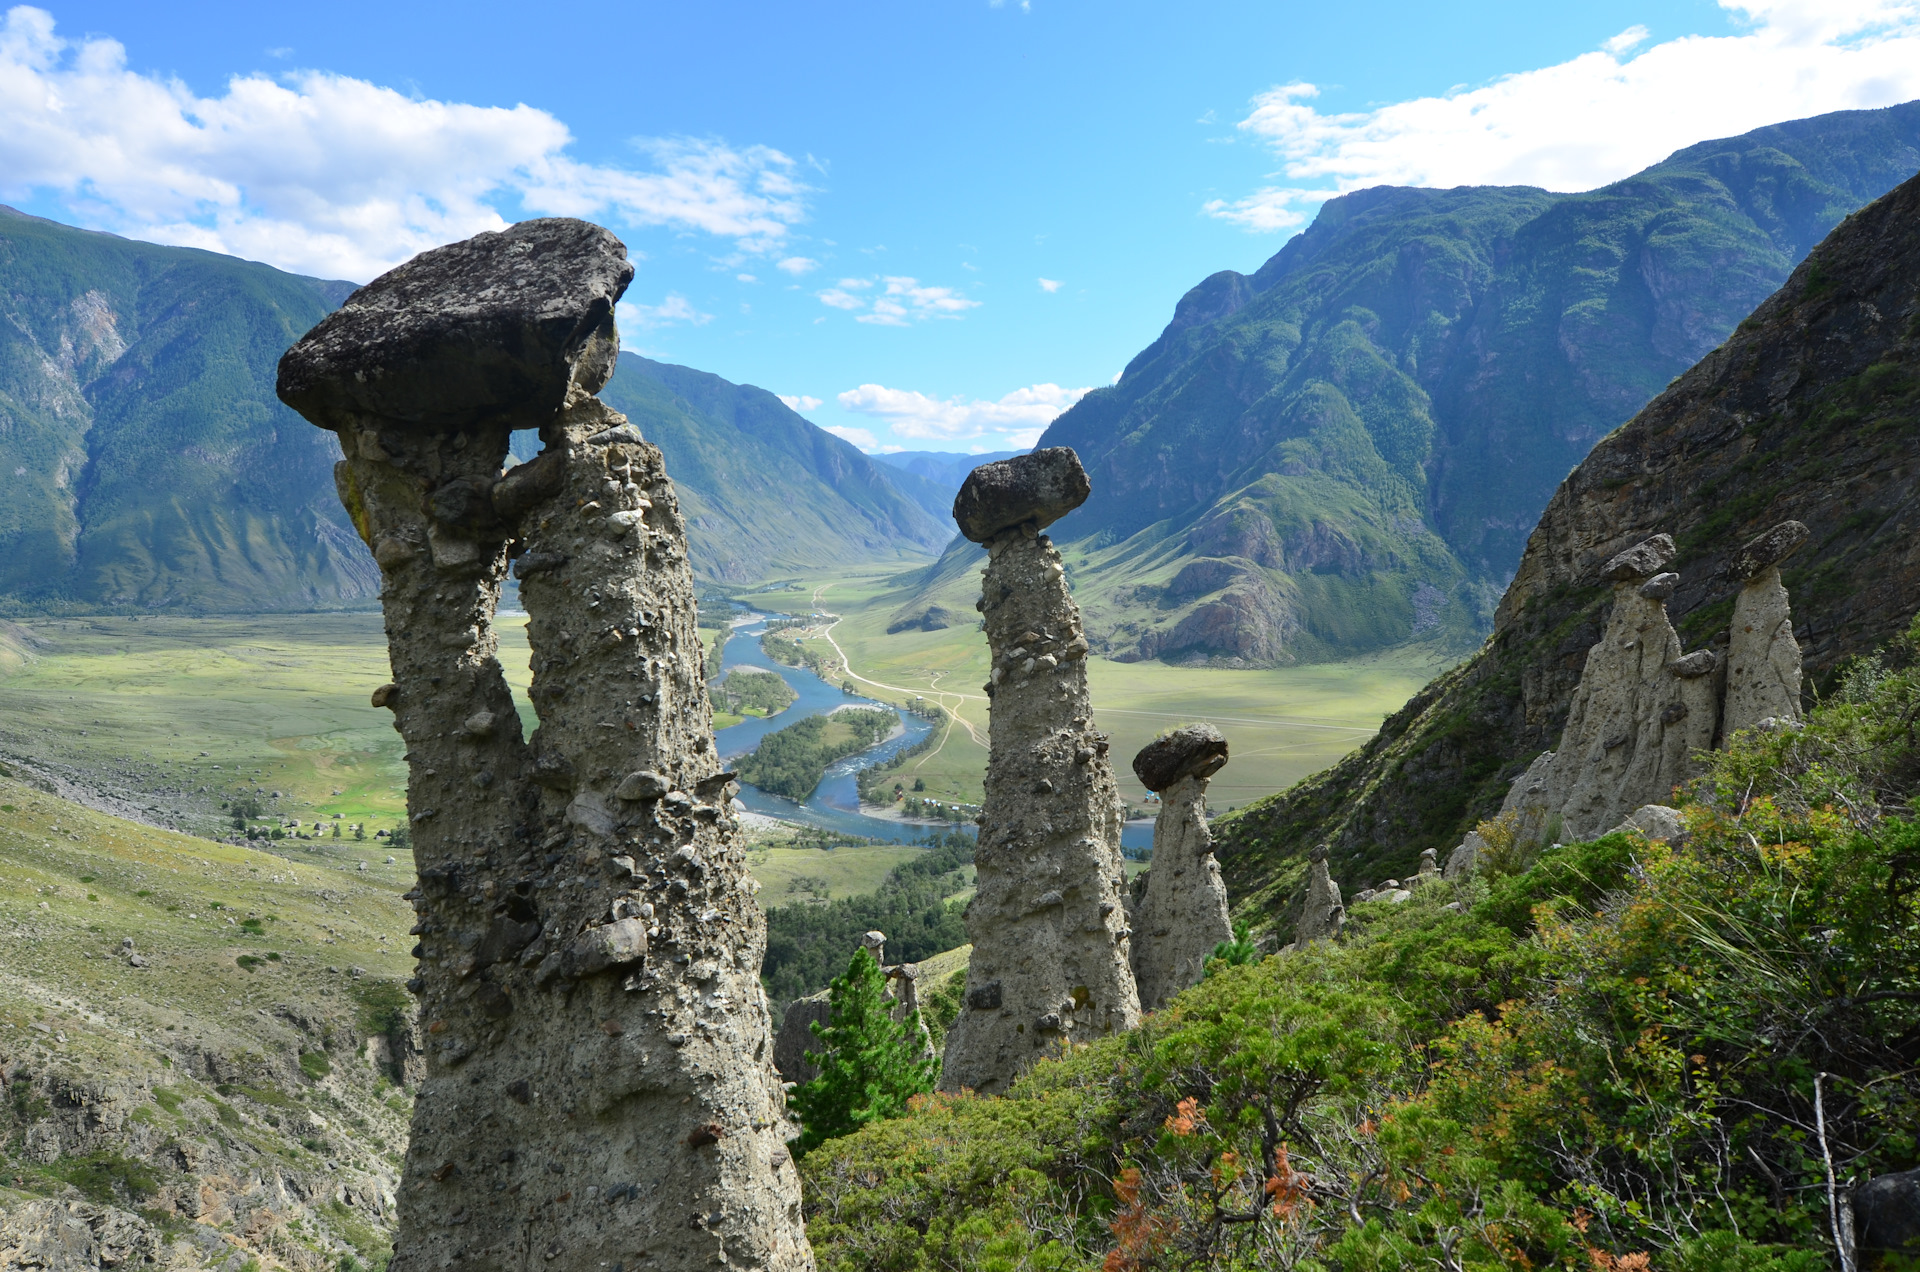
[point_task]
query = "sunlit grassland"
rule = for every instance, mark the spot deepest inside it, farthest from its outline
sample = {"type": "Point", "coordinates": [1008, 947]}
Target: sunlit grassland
{"type": "Point", "coordinates": [1282, 724]}
{"type": "Point", "coordinates": [789, 874]}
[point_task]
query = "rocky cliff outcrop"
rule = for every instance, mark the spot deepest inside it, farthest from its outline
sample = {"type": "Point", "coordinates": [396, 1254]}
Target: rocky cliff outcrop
{"type": "Point", "coordinates": [1049, 930]}
{"type": "Point", "coordinates": [1183, 914]}
{"type": "Point", "coordinates": [1809, 411]}
{"type": "Point", "coordinates": [600, 1087]}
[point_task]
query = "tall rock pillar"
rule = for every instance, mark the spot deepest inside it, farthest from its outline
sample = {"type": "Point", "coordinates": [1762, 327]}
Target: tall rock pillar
{"type": "Point", "coordinates": [1049, 929]}
{"type": "Point", "coordinates": [1763, 658]}
{"type": "Point", "coordinates": [600, 1090]}
{"type": "Point", "coordinates": [1183, 915]}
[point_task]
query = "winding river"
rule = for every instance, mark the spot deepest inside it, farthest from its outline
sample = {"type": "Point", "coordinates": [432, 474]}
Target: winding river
{"type": "Point", "coordinates": [835, 803]}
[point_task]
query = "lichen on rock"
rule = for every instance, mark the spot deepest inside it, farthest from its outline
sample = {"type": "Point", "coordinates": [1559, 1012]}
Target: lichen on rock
{"type": "Point", "coordinates": [600, 1081]}
{"type": "Point", "coordinates": [1047, 922]}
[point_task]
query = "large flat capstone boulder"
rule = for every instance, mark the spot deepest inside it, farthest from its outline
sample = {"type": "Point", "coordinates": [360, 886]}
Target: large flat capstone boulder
{"type": "Point", "coordinates": [496, 328]}
{"type": "Point", "coordinates": [1040, 487]}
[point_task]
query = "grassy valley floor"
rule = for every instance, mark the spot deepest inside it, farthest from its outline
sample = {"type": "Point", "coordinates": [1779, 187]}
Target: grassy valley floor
{"type": "Point", "coordinates": [1283, 723]}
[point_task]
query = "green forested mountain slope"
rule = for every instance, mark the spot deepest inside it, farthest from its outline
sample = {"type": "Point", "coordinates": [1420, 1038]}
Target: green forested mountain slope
{"type": "Point", "coordinates": [144, 460]}
{"type": "Point", "coordinates": [762, 488]}
{"type": "Point", "coordinates": [1349, 446]}
{"type": "Point", "coordinates": [1810, 411]}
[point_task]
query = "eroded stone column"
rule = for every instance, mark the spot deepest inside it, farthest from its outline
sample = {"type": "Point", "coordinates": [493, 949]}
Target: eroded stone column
{"type": "Point", "coordinates": [1322, 915]}
{"type": "Point", "coordinates": [1641, 711]}
{"type": "Point", "coordinates": [1763, 658]}
{"type": "Point", "coordinates": [1049, 931]}
{"type": "Point", "coordinates": [1183, 914]}
{"type": "Point", "coordinates": [600, 1090]}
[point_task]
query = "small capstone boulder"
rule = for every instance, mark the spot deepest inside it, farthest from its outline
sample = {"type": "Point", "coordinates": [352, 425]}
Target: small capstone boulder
{"type": "Point", "coordinates": [1040, 488]}
{"type": "Point", "coordinates": [1771, 548]}
{"type": "Point", "coordinates": [1197, 750]}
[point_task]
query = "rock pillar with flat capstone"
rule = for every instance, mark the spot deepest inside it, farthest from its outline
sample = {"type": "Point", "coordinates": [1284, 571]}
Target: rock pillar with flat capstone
{"type": "Point", "coordinates": [1322, 916]}
{"type": "Point", "coordinates": [600, 1088]}
{"type": "Point", "coordinates": [1047, 921]}
{"type": "Point", "coordinates": [1183, 914]}
{"type": "Point", "coordinates": [1640, 713]}
{"type": "Point", "coordinates": [1763, 658]}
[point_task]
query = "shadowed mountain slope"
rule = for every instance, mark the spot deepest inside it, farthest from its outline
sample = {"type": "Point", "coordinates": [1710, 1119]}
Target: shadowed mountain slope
{"type": "Point", "coordinates": [1811, 411]}
{"type": "Point", "coordinates": [762, 488]}
{"type": "Point", "coordinates": [144, 460]}
{"type": "Point", "coordinates": [1348, 447]}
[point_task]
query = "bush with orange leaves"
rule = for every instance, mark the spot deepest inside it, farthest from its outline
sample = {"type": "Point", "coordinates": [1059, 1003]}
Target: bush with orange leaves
{"type": "Point", "coordinates": [1605, 1062]}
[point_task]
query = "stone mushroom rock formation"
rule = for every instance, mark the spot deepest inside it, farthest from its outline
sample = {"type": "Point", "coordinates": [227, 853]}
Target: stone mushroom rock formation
{"type": "Point", "coordinates": [1183, 914]}
{"type": "Point", "coordinates": [1640, 713]}
{"type": "Point", "coordinates": [600, 1085]}
{"type": "Point", "coordinates": [1047, 921]}
{"type": "Point", "coordinates": [1321, 915]}
{"type": "Point", "coordinates": [1763, 658]}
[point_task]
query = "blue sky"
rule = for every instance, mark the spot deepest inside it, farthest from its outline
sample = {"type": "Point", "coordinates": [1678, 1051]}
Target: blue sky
{"type": "Point", "coordinates": [928, 224]}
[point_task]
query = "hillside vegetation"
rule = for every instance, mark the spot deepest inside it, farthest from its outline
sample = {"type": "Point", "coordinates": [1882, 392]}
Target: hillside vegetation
{"type": "Point", "coordinates": [241, 1091]}
{"type": "Point", "coordinates": [1623, 1055]}
{"type": "Point", "coordinates": [1810, 411]}
{"type": "Point", "coordinates": [1347, 448]}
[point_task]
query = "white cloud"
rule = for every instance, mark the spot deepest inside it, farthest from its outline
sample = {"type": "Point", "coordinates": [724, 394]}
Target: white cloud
{"type": "Point", "coordinates": [1594, 119]}
{"type": "Point", "coordinates": [1016, 420]}
{"type": "Point", "coordinates": [332, 175]}
{"type": "Point", "coordinates": [674, 309]}
{"type": "Point", "coordinates": [746, 278]}
{"type": "Point", "coordinates": [797, 265]}
{"type": "Point", "coordinates": [900, 303]}
{"type": "Point", "coordinates": [800, 401]}
{"type": "Point", "coordinates": [860, 437]}
{"type": "Point", "coordinates": [841, 299]}
{"type": "Point", "coordinates": [1051, 285]}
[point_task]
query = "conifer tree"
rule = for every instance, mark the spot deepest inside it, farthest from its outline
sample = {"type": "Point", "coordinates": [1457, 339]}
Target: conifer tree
{"type": "Point", "coordinates": [870, 1065]}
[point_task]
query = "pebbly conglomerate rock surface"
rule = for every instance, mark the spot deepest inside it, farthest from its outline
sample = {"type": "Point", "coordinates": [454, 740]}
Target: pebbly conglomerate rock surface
{"type": "Point", "coordinates": [600, 1089]}
{"type": "Point", "coordinates": [1183, 914]}
{"type": "Point", "coordinates": [1047, 921]}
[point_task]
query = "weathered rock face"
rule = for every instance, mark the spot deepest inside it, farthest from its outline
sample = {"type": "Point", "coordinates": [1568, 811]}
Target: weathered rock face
{"type": "Point", "coordinates": [796, 1038]}
{"type": "Point", "coordinates": [73, 1236]}
{"type": "Point", "coordinates": [600, 1080]}
{"type": "Point", "coordinates": [1886, 1214]}
{"type": "Point", "coordinates": [1763, 657]}
{"type": "Point", "coordinates": [1182, 915]}
{"type": "Point", "coordinates": [1802, 413]}
{"type": "Point", "coordinates": [1640, 712]}
{"type": "Point", "coordinates": [1321, 915]}
{"type": "Point", "coordinates": [1049, 931]}
{"type": "Point", "coordinates": [1034, 489]}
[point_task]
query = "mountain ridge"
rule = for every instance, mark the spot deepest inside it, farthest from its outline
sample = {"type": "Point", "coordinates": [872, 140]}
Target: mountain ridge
{"type": "Point", "coordinates": [1352, 442]}
{"type": "Point", "coordinates": [1809, 411]}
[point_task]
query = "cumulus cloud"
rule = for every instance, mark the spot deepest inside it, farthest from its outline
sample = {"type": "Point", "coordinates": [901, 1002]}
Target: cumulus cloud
{"type": "Point", "coordinates": [331, 175]}
{"type": "Point", "coordinates": [1596, 118]}
{"type": "Point", "coordinates": [1016, 420]}
{"type": "Point", "coordinates": [860, 437]}
{"type": "Point", "coordinates": [673, 310]}
{"type": "Point", "coordinates": [1051, 285]}
{"type": "Point", "coordinates": [797, 265]}
{"type": "Point", "coordinates": [800, 402]}
{"type": "Point", "coordinates": [900, 302]}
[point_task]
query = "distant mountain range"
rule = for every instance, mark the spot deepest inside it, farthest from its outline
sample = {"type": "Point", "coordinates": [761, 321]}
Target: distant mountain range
{"type": "Point", "coordinates": [145, 462]}
{"type": "Point", "coordinates": [944, 469]}
{"type": "Point", "coordinates": [1347, 448]}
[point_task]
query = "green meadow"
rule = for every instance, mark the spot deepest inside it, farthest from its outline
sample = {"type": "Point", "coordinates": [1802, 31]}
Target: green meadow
{"type": "Point", "coordinates": [1282, 723]}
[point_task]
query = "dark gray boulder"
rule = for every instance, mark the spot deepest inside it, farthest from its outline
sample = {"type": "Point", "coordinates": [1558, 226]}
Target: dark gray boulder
{"type": "Point", "coordinates": [1886, 1213]}
{"type": "Point", "coordinates": [1197, 750]}
{"type": "Point", "coordinates": [1040, 487]}
{"type": "Point", "coordinates": [1771, 548]}
{"type": "Point", "coordinates": [1640, 561]}
{"type": "Point", "coordinates": [492, 329]}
